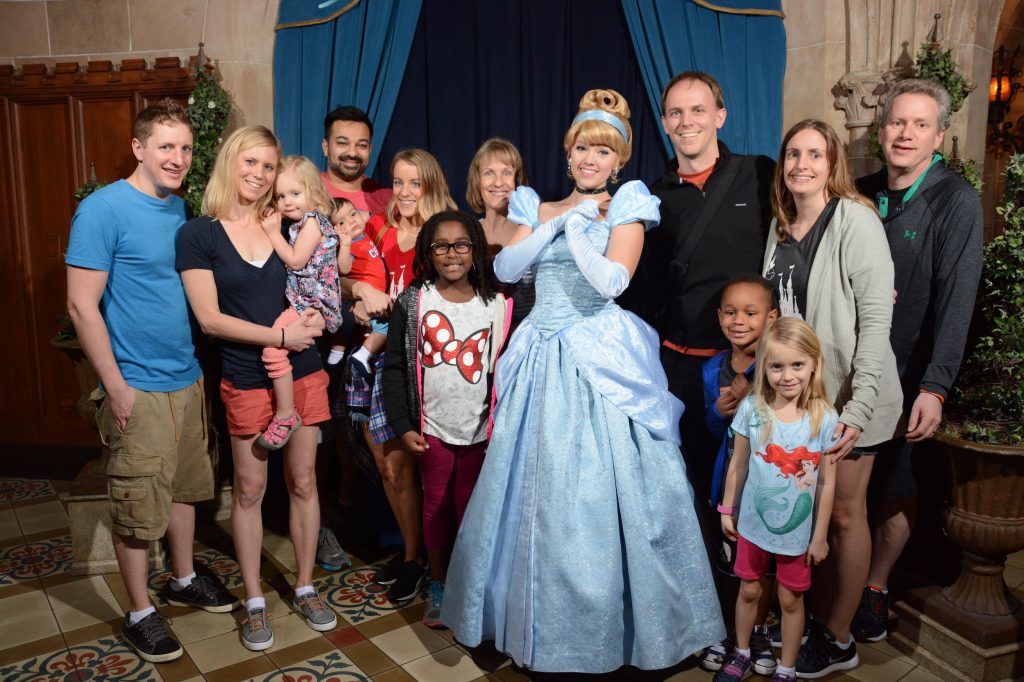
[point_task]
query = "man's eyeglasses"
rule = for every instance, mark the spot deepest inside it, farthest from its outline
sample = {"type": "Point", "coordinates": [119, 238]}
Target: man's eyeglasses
{"type": "Point", "coordinates": [442, 248]}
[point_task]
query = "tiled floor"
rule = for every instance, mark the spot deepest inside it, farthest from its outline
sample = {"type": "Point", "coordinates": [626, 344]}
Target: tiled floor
{"type": "Point", "coordinates": [57, 626]}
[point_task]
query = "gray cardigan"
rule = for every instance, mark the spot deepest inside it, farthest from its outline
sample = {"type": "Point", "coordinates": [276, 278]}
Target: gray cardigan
{"type": "Point", "coordinates": [849, 305]}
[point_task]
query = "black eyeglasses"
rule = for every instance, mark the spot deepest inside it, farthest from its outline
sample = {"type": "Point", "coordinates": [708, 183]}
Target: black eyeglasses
{"type": "Point", "coordinates": [442, 248]}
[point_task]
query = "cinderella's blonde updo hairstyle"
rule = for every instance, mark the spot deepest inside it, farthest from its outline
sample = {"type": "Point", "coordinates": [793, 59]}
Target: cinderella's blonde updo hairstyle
{"type": "Point", "coordinates": [598, 132]}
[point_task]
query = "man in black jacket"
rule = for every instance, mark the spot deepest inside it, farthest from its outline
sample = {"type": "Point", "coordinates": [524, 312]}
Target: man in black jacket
{"type": "Point", "coordinates": [715, 215]}
{"type": "Point", "coordinates": [933, 220]}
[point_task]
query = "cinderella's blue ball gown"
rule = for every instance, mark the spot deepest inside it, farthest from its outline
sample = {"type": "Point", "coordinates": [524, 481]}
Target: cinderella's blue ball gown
{"type": "Point", "coordinates": [579, 550]}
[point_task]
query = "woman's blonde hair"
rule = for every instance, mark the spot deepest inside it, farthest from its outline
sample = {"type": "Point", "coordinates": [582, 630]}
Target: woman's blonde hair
{"type": "Point", "coordinates": [221, 191]}
{"type": "Point", "coordinates": [505, 152]}
{"type": "Point", "coordinates": [309, 175]}
{"type": "Point", "coordinates": [435, 195]}
{"type": "Point", "coordinates": [793, 333]}
{"type": "Point", "coordinates": [839, 183]}
{"type": "Point", "coordinates": [599, 132]}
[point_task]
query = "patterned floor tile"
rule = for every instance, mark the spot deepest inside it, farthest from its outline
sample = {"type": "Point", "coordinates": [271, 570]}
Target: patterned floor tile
{"type": "Point", "coordinates": [212, 561]}
{"type": "Point", "coordinates": [332, 666]}
{"type": "Point", "coordinates": [45, 516]}
{"type": "Point", "coordinates": [355, 596]}
{"type": "Point", "coordinates": [17, 489]}
{"type": "Point", "coordinates": [9, 527]}
{"type": "Point", "coordinates": [447, 665]}
{"type": "Point", "coordinates": [409, 643]}
{"type": "Point", "coordinates": [35, 560]}
{"type": "Point", "coordinates": [104, 659]}
{"type": "Point", "coordinates": [19, 605]}
{"type": "Point", "coordinates": [28, 627]}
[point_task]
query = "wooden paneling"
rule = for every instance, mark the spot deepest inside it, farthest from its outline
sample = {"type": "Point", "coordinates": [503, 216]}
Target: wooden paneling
{"type": "Point", "coordinates": [44, 159]}
{"type": "Point", "coordinates": [52, 124]}
{"type": "Point", "coordinates": [18, 400]}
{"type": "Point", "coordinates": [102, 123]}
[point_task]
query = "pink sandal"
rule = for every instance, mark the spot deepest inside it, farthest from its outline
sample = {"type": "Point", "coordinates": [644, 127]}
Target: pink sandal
{"type": "Point", "coordinates": [278, 432]}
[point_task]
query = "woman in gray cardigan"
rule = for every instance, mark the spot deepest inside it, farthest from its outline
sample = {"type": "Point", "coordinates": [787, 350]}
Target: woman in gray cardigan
{"type": "Point", "coordinates": [828, 258]}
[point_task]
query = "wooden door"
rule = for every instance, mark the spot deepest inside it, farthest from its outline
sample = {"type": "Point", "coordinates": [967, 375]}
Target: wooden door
{"type": "Point", "coordinates": [52, 126]}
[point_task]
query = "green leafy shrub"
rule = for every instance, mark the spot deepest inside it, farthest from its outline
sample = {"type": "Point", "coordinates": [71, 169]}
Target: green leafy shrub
{"type": "Point", "coordinates": [987, 404]}
{"type": "Point", "coordinates": [937, 64]}
{"type": "Point", "coordinates": [208, 108]}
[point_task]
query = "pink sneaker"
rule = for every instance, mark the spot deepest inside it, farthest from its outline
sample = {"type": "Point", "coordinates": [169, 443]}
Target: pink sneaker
{"type": "Point", "coordinates": [278, 432]}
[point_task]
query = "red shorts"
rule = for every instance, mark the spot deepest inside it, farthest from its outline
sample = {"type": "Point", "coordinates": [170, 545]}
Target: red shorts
{"type": "Point", "coordinates": [249, 410]}
{"type": "Point", "coordinates": [792, 572]}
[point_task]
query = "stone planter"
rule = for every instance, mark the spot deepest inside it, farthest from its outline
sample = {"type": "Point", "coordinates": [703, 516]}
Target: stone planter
{"type": "Point", "coordinates": [88, 507]}
{"type": "Point", "coordinates": [85, 375]}
{"type": "Point", "coordinates": [974, 628]}
{"type": "Point", "coordinates": [986, 520]}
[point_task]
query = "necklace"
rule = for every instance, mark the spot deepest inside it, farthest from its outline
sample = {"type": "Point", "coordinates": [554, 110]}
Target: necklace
{"type": "Point", "coordinates": [596, 190]}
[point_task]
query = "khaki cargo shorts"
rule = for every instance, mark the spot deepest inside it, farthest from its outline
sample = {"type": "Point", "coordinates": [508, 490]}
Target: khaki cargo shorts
{"type": "Point", "coordinates": [161, 456]}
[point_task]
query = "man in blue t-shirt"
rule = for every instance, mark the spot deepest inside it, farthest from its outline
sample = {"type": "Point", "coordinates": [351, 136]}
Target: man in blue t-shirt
{"type": "Point", "coordinates": [129, 309]}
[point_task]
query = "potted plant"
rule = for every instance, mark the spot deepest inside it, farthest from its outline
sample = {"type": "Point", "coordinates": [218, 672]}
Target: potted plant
{"type": "Point", "coordinates": [984, 427]}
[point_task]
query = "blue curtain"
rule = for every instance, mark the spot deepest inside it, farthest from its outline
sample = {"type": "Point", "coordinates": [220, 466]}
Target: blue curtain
{"type": "Point", "coordinates": [516, 69]}
{"type": "Point", "coordinates": [746, 53]}
{"type": "Point", "coordinates": [356, 57]}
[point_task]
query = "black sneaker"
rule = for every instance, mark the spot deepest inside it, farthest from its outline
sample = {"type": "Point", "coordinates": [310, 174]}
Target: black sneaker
{"type": "Point", "coordinates": [821, 656]}
{"type": "Point", "coordinates": [762, 658]}
{"type": "Point", "coordinates": [411, 578]}
{"type": "Point", "coordinates": [151, 640]}
{"type": "Point", "coordinates": [388, 573]}
{"type": "Point", "coordinates": [775, 631]}
{"type": "Point", "coordinates": [869, 621]}
{"type": "Point", "coordinates": [202, 593]}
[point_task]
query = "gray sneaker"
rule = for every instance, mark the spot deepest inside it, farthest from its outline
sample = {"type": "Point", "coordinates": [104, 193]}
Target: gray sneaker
{"type": "Point", "coordinates": [329, 554]}
{"type": "Point", "coordinates": [315, 610]}
{"type": "Point", "coordinates": [257, 632]}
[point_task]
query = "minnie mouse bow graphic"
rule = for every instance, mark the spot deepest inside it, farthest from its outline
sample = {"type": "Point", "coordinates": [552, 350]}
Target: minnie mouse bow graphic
{"type": "Point", "coordinates": [439, 346]}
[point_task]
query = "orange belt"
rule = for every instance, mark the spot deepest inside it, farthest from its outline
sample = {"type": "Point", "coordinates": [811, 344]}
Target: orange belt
{"type": "Point", "coordinates": [686, 350]}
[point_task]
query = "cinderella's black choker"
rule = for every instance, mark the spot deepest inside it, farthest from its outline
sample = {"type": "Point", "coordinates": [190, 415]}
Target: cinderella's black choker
{"type": "Point", "coordinates": [596, 190]}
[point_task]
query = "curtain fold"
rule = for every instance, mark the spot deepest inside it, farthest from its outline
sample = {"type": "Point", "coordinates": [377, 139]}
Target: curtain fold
{"type": "Point", "coordinates": [516, 69]}
{"type": "Point", "coordinates": [741, 43]}
{"type": "Point", "coordinates": [335, 53]}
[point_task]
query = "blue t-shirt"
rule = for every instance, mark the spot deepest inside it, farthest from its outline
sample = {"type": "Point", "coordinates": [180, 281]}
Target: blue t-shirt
{"type": "Point", "coordinates": [130, 236]}
{"type": "Point", "coordinates": [776, 510]}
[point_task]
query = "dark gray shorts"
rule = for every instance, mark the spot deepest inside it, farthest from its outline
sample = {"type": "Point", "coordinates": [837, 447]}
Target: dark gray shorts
{"type": "Point", "coordinates": [894, 472]}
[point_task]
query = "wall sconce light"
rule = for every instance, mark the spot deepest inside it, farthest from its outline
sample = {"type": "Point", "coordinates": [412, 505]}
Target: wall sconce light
{"type": "Point", "coordinates": [1002, 89]}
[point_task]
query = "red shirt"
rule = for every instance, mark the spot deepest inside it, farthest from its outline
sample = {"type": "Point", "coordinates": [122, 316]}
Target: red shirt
{"type": "Point", "coordinates": [398, 262]}
{"type": "Point", "coordinates": [698, 179]}
{"type": "Point", "coordinates": [372, 197]}
{"type": "Point", "coordinates": [367, 265]}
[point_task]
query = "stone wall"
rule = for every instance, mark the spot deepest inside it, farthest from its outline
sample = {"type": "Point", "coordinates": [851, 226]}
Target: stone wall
{"type": "Point", "coordinates": [238, 37]}
{"type": "Point", "coordinates": [858, 42]}
{"type": "Point", "coordinates": [841, 53]}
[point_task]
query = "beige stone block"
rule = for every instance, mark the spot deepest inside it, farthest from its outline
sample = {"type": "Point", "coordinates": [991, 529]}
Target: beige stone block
{"type": "Point", "coordinates": [252, 93]}
{"type": "Point", "coordinates": [804, 88]}
{"type": "Point", "coordinates": [23, 29]}
{"type": "Point", "coordinates": [805, 23]}
{"type": "Point", "coordinates": [241, 30]}
{"type": "Point", "coordinates": [158, 26]}
{"type": "Point", "coordinates": [88, 27]}
{"type": "Point", "coordinates": [91, 545]}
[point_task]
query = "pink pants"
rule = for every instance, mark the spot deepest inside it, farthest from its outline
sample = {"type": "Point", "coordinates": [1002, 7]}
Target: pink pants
{"type": "Point", "coordinates": [276, 359]}
{"type": "Point", "coordinates": [449, 473]}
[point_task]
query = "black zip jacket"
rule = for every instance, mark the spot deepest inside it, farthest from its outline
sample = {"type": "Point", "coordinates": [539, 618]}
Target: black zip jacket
{"type": "Point", "coordinates": [937, 248]}
{"type": "Point", "coordinates": [680, 299]}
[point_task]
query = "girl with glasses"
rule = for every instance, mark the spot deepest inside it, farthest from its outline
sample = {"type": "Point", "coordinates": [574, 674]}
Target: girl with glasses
{"type": "Point", "coordinates": [444, 336]}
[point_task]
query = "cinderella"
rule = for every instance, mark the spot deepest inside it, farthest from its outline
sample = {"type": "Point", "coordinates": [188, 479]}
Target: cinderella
{"type": "Point", "coordinates": [580, 551]}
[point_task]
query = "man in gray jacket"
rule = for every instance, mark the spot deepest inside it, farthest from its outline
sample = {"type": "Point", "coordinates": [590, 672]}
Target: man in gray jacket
{"type": "Point", "coordinates": [933, 221]}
